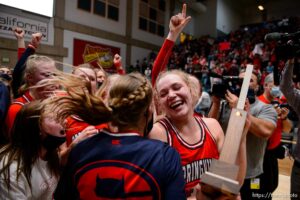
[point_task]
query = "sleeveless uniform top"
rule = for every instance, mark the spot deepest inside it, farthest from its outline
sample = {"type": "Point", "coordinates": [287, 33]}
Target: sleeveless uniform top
{"type": "Point", "coordinates": [195, 158]}
{"type": "Point", "coordinates": [74, 127]}
{"type": "Point", "coordinates": [15, 107]}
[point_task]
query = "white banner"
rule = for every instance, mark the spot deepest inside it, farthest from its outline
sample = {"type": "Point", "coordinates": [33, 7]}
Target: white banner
{"type": "Point", "coordinates": [8, 22]}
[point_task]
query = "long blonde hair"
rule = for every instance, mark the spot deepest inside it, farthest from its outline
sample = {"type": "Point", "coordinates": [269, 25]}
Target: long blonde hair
{"type": "Point", "coordinates": [181, 74]}
{"type": "Point", "coordinates": [25, 145]}
{"type": "Point", "coordinates": [32, 65]}
{"type": "Point", "coordinates": [129, 98]}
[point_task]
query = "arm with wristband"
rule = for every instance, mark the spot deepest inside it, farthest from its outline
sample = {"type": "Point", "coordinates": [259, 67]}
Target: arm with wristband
{"type": "Point", "coordinates": [20, 66]}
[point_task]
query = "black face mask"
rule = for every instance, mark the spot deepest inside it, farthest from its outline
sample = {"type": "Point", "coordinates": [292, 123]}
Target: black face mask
{"type": "Point", "coordinates": [99, 84]}
{"type": "Point", "coordinates": [149, 124]}
{"type": "Point", "coordinates": [5, 77]}
{"type": "Point", "coordinates": [52, 142]}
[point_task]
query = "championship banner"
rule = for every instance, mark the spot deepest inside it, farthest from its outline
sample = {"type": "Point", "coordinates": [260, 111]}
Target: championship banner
{"type": "Point", "coordinates": [95, 54]}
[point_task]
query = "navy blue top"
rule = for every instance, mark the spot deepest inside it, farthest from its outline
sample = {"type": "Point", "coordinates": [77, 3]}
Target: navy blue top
{"type": "Point", "coordinates": [19, 71]}
{"type": "Point", "coordinates": [120, 166]}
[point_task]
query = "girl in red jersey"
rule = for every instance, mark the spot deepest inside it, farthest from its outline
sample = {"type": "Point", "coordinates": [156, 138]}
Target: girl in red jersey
{"type": "Point", "coordinates": [75, 125]}
{"type": "Point", "coordinates": [198, 140]}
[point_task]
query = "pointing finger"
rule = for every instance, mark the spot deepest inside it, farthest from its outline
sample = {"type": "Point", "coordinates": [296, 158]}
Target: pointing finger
{"type": "Point", "coordinates": [183, 10]}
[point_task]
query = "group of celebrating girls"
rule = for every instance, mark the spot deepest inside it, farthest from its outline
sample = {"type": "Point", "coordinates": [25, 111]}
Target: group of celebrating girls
{"type": "Point", "coordinates": [79, 136]}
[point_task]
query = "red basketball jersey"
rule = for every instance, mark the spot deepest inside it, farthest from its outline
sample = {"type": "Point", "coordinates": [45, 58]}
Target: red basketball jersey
{"type": "Point", "coordinates": [74, 127]}
{"type": "Point", "coordinates": [195, 158]}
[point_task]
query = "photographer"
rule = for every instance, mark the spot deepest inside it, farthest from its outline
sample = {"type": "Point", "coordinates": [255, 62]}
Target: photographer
{"type": "Point", "coordinates": [293, 98]}
{"type": "Point", "coordinates": [222, 87]}
{"type": "Point", "coordinates": [263, 119]}
{"type": "Point", "coordinates": [274, 149]}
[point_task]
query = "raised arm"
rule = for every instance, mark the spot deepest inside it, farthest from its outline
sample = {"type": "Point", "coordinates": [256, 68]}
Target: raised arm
{"type": "Point", "coordinates": [20, 66]}
{"type": "Point", "coordinates": [176, 25]}
{"type": "Point", "coordinates": [118, 64]}
{"type": "Point", "coordinates": [19, 34]}
{"type": "Point", "coordinates": [286, 86]}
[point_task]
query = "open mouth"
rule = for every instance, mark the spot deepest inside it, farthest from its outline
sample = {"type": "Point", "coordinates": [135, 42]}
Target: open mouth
{"type": "Point", "coordinates": [176, 104]}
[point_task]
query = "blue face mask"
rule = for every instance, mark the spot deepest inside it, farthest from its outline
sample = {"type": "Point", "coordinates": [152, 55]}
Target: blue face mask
{"type": "Point", "coordinates": [275, 91]}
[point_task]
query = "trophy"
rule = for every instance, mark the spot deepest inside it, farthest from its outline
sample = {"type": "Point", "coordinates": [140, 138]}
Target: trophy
{"type": "Point", "coordinates": [222, 174]}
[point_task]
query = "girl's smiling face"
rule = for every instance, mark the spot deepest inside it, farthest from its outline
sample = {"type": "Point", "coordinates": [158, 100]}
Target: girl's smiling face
{"type": "Point", "coordinates": [174, 95]}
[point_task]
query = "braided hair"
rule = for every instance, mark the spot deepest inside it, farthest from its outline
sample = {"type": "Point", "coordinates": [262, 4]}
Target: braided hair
{"type": "Point", "coordinates": [129, 98]}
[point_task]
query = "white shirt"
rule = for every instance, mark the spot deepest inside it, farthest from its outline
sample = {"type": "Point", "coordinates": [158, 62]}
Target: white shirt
{"type": "Point", "coordinates": [43, 183]}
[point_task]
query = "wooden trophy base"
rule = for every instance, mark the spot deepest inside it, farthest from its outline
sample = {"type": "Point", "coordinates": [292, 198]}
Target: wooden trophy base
{"type": "Point", "coordinates": [220, 179]}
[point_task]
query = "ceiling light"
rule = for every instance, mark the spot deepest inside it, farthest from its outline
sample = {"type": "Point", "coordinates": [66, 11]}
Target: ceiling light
{"type": "Point", "coordinates": [261, 8]}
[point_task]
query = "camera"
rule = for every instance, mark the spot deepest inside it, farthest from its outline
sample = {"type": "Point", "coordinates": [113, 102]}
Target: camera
{"type": "Point", "coordinates": [234, 85]}
{"type": "Point", "coordinates": [287, 47]}
{"type": "Point", "coordinates": [284, 105]}
{"type": "Point", "coordinates": [280, 105]}
{"type": "Point", "coordinates": [231, 83]}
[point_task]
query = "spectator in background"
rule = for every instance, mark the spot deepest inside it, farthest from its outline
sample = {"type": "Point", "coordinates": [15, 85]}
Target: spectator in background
{"type": "Point", "coordinates": [265, 56]}
{"type": "Point", "coordinates": [101, 77]}
{"type": "Point", "coordinates": [101, 73]}
{"type": "Point", "coordinates": [269, 67]}
{"type": "Point", "coordinates": [144, 65]}
{"type": "Point", "coordinates": [137, 66]}
{"type": "Point", "coordinates": [118, 64]}
{"type": "Point", "coordinates": [152, 55]}
{"type": "Point", "coordinates": [189, 65]}
{"type": "Point", "coordinates": [6, 70]}
{"type": "Point", "coordinates": [148, 73]}
{"type": "Point", "coordinates": [274, 149]}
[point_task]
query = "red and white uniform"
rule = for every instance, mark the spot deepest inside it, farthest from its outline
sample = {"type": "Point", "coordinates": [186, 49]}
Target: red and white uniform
{"type": "Point", "coordinates": [74, 127]}
{"type": "Point", "coordinates": [15, 107]}
{"type": "Point", "coordinates": [195, 158]}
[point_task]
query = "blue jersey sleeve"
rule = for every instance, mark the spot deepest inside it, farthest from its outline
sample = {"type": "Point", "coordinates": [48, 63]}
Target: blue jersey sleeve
{"type": "Point", "coordinates": [66, 188]}
{"type": "Point", "coordinates": [19, 71]}
{"type": "Point", "coordinates": [174, 175]}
